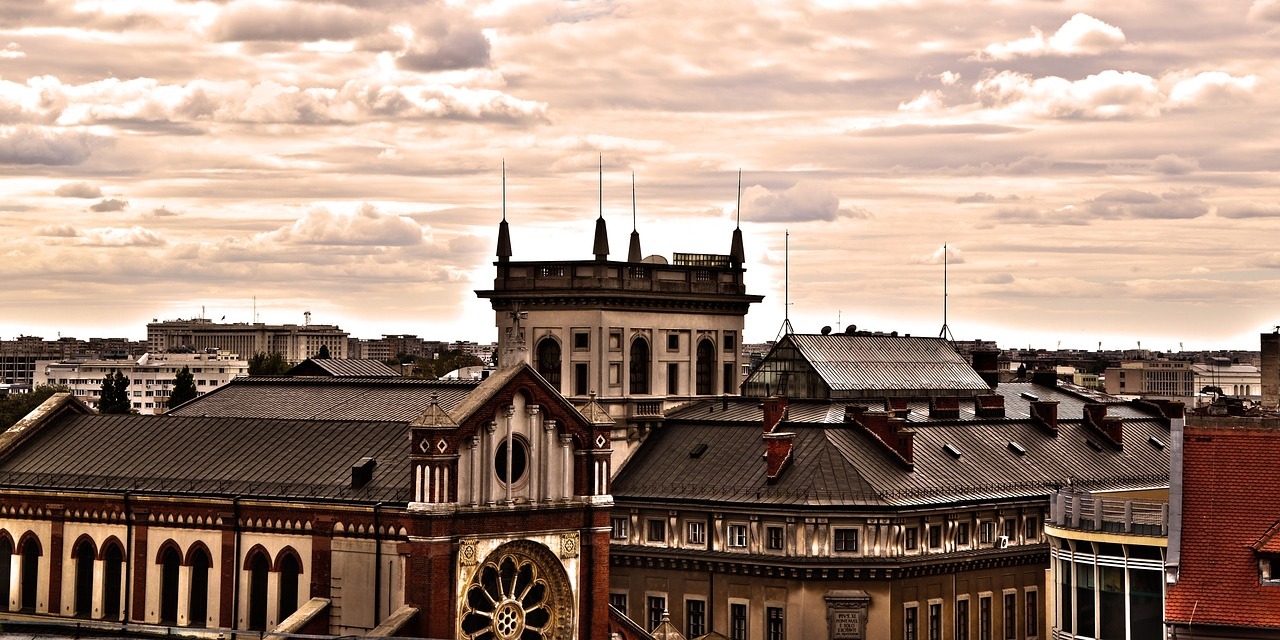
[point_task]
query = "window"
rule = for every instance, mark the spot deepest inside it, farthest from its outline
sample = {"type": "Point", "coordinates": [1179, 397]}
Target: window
{"type": "Point", "coordinates": [695, 618]}
{"type": "Point", "coordinates": [615, 341]}
{"type": "Point", "coordinates": [737, 535]}
{"type": "Point", "coordinates": [730, 341]}
{"type": "Point", "coordinates": [986, 531]}
{"type": "Point", "coordinates": [657, 606]}
{"type": "Point", "coordinates": [935, 621]}
{"type": "Point", "coordinates": [705, 374]}
{"type": "Point", "coordinates": [696, 532]}
{"type": "Point", "coordinates": [910, 541]}
{"type": "Point", "coordinates": [517, 456]}
{"type": "Point", "coordinates": [773, 538]}
{"type": "Point", "coordinates": [618, 528]}
{"type": "Point", "coordinates": [1010, 615]}
{"type": "Point", "coordinates": [1032, 528]}
{"type": "Point", "coordinates": [618, 601]}
{"type": "Point", "coordinates": [911, 623]}
{"type": "Point", "coordinates": [581, 340]}
{"type": "Point", "coordinates": [1010, 529]}
{"type": "Point", "coordinates": [673, 378]}
{"type": "Point", "coordinates": [962, 619]}
{"type": "Point", "coordinates": [984, 618]}
{"type": "Point", "coordinates": [580, 378]}
{"type": "Point", "coordinates": [639, 366]}
{"type": "Point", "coordinates": [737, 621]}
{"type": "Point", "coordinates": [729, 378]}
{"type": "Point", "coordinates": [673, 341]}
{"type": "Point", "coordinates": [847, 540]}
{"type": "Point", "coordinates": [657, 530]}
{"type": "Point", "coordinates": [548, 360]}
{"type": "Point", "coordinates": [775, 627]}
{"type": "Point", "coordinates": [962, 533]}
{"type": "Point", "coordinates": [935, 536]}
{"type": "Point", "coordinates": [615, 373]}
{"type": "Point", "coordinates": [1033, 614]}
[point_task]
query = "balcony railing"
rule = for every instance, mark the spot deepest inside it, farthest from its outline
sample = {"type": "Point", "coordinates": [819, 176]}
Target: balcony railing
{"type": "Point", "coordinates": [1089, 513]}
{"type": "Point", "coordinates": [589, 276]}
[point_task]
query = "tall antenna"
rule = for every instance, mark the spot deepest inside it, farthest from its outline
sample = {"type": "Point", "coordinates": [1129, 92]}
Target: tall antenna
{"type": "Point", "coordinates": [738, 220]}
{"type": "Point", "coordinates": [786, 328]}
{"type": "Point", "coordinates": [602, 185]}
{"type": "Point", "coordinates": [633, 201]}
{"type": "Point", "coordinates": [504, 189]}
{"type": "Point", "coordinates": [946, 331]}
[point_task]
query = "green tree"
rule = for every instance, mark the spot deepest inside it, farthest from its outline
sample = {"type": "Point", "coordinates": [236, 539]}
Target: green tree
{"type": "Point", "coordinates": [444, 362]}
{"type": "Point", "coordinates": [323, 353]}
{"type": "Point", "coordinates": [184, 388]}
{"type": "Point", "coordinates": [267, 364]}
{"type": "Point", "coordinates": [16, 406]}
{"type": "Point", "coordinates": [115, 393]}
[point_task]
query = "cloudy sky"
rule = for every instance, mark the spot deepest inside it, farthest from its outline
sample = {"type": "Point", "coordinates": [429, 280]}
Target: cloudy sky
{"type": "Point", "coordinates": [1100, 171]}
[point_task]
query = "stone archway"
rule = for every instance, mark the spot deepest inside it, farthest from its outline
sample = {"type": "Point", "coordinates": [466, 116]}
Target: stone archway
{"type": "Point", "coordinates": [519, 592]}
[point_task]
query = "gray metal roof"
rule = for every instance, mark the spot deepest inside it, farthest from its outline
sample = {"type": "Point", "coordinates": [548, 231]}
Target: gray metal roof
{"type": "Point", "coordinates": [297, 459]}
{"type": "Point", "coordinates": [316, 398]}
{"type": "Point", "coordinates": [343, 368]}
{"type": "Point", "coordinates": [879, 362]}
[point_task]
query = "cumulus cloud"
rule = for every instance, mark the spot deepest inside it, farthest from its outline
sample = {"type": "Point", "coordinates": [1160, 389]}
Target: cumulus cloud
{"type": "Point", "coordinates": [120, 237]}
{"type": "Point", "coordinates": [1170, 164]}
{"type": "Point", "coordinates": [110, 204]}
{"type": "Point", "coordinates": [160, 212]}
{"type": "Point", "coordinates": [58, 231]}
{"type": "Point", "coordinates": [952, 256]}
{"type": "Point", "coordinates": [1212, 87]}
{"type": "Point", "coordinates": [1265, 10]}
{"type": "Point", "coordinates": [1249, 210]}
{"type": "Point", "coordinates": [804, 201]}
{"type": "Point", "coordinates": [364, 227]}
{"type": "Point", "coordinates": [78, 190]}
{"type": "Point", "coordinates": [24, 144]}
{"type": "Point", "coordinates": [456, 48]}
{"type": "Point", "coordinates": [977, 197]}
{"type": "Point", "coordinates": [1081, 35]}
{"type": "Point", "coordinates": [1135, 204]}
{"type": "Point", "coordinates": [11, 51]}
{"type": "Point", "coordinates": [1109, 94]}
{"type": "Point", "coordinates": [290, 22]}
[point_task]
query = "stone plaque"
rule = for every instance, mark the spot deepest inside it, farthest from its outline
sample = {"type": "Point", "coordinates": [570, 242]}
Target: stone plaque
{"type": "Point", "coordinates": [847, 614]}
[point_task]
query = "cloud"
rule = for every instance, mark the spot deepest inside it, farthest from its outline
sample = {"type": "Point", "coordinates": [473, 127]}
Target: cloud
{"type": "Point", "coordinates": [1134, 204]}
{"type": "Point", "coordinates": [1170, 164]}
{"type": "Point", "coordinates": [78, 190]}
{"type": "Point", "coordinates": [160, 212]}
{"type": "Point", "coordinates": [24, 145]}
{"type": "Point", "coordinates": [11, 51]}
{"type": "Point", "coordinates": [58, 231]}
{"type": "Point", "coordinates": [119, 237]}
{"type": "Point", "coordinates": [289, 22]}
{"type": "Point", "coordinates": [1212, 87]}
{"type": "Point", "coordinates": [364, 227]}
{"type": "Point", "coordinates": [996, 278]}
{"type": "Point", "coordinates": [977, 197]}
{"type": "Point", "coordinates": [953, 256]}
{"type": "Point", "coordinates": [1065, 216]}
{"type": "Point", "coordinates": [804, 201]}
{"type": "Point", "coordinates": [1106, 95]}
{"type": "Point", "coordinates": [1267, 260]}
{"type": "Point", "coordinates": [1249, 210]}
{"type": "Point", "coordinates": [1078, 36]}
{"type": "Point", "coordinates": [111, 204]}
{"type": "Point", "coordinates": [456, 48]}
{"type": "Point", "coordinates": [1265, 11]}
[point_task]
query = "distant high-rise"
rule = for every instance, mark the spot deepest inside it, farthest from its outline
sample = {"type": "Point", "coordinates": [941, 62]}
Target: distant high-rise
{"type": "Point", "coordinates": [295, 342]}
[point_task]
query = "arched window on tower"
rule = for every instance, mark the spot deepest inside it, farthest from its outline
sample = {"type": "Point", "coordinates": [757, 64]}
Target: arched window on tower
{"type": "Point", "coordinates": [170, 561]}
{"type": "Point", "coordinates": [85, 555]}
{"type": "Point", "coordinates": [198, 611]}
{"type": "Point", "coordinates": [112, 575]}
{"type": "Point", "coordinates": [259, 565]}
{"type": "Point", "coordinates": [548, 362]}
{"type": "Point", "coordinates": [706, 369]}
{"type": "Point", "coordinates": [29, 578]}
{"type": "Point", "coordinates": [290, 568]}
{"type": "Point", "coordinates": [640, 366]}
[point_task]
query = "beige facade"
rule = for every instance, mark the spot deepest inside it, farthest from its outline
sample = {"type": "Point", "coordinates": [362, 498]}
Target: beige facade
{"type": "Point", "coordinates": [296, 343]}
{"type": "Point", "coordinates": [150, 377]}
{"type": "Point", "coordinates": [1170, 379]}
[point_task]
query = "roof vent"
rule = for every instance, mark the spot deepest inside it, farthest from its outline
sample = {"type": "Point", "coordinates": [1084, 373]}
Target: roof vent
{"type": "Point", "coordinates": [952, 450]}
{"type": "Point", "coordinates": [1156, 442]}
{"type": "Point", "coordinates": [1093, 445]}
{"type": "Point", "coordinates": [698, 451]}
{"type": "Point", "coordinates": [1030, 396]}
{"type": "Point", "coordinates": [362, 472]}
{"type": "Point", "coordinates": [1017, 448]}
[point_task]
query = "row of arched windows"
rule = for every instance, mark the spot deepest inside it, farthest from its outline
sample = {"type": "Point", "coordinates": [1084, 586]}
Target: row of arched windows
{"type": "Point", "coordinates": [548, 356]}
{"type": "Point", "coordinates": [85, 554]}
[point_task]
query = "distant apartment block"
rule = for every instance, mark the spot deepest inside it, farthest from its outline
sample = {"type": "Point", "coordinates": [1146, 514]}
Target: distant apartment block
{"type": "Point", "coordinates": [295, 342]}
{"type": "Point", "coordinates": [392, 346]}
{"type": "Point", "coordinates": [18, 357]}
{"type": "Point", "coordinates": [150, 376]}
{"type": "Point", "coordinates": [1171, 379]}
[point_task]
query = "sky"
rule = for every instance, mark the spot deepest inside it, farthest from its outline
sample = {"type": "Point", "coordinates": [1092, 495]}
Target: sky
{"type": "Point", "coordinates": [1100, 173]}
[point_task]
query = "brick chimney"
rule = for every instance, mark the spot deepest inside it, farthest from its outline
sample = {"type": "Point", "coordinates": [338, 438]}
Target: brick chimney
{"type": "Point", "coordinates": [888, 430]}
{"type": "Point", "coordinates": [944, 408]}
{"type": "Point", "coordinates": [1045, 377]}
{"type": "Point", "coordinates": [1271, 370]}
{"type": "Point", "coordinates": [777, 454]}
{"type": "Point", "coordinates": [1045, 414]}
{"type": "Point", "coordinates": [989, 406]}
{"type": "Point", "coordinates": [897, 407]}
{"type": "Point", "coordinates": [1095, 415]}
{"type": "Point", "coordinates": [987, 363]}
{"type": "Point", "coordinates": [775, 409]}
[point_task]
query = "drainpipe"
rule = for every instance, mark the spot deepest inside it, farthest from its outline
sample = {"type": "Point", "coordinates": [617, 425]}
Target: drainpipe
{"type": "Point", "coordinates": [377, 567]}
{"type": "Point", "coordinates": [128, 554]}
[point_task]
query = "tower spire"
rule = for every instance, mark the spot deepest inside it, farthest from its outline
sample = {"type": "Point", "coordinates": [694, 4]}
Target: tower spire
{"type": "Point", "coordinates": [633, 252]}
{"type": "Point", "coordinates": [504, 232]}
{"type": "Point", "coordinates": [737, 255]}
{"type": "Point", "coordinates": [601, 245]}
{"type": "Point", "coordinates": [946, 331]}
{"type": "Point", "coordinates": [786, 328]}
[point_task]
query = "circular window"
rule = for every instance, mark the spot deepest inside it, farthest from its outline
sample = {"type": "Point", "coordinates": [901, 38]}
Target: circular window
{"type": "Point", "coordinates": [519, 461]}
{"type": "Point", "coordinates": [517, 593]}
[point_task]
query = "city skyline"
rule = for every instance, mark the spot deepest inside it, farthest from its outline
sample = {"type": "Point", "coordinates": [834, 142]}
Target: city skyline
{"type": "Point", "coordinates": [1101, 173]}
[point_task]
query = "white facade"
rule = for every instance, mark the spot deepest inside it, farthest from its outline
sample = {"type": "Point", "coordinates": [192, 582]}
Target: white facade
{"type": "Point", "coordinates": [150, 377]}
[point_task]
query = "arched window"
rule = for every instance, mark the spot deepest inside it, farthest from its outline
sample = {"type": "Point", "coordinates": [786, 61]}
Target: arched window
{"type": "Point", "coordinates": [29, 580]}
{"type": "Point", "coordinates": [290, 568]}
{"type": "Point", "coordinates": [171, 560]}
{"type": "Point", "coordinates": [85, 555]}
{"type": "Point", "coordinates": [259, 565]}
{"type": "Point", "coordinates": [112, 574]}
{"type": "Point", "coordinates": [198, 609]}
{"type": "Point", "coordinates": [706, 369]}
{"type": "Point", "coordinates": [6, 568]}
{"type": "Point", "coordinates": [549, 361]}
{"type": "Point", "coordinates": [640, 366]}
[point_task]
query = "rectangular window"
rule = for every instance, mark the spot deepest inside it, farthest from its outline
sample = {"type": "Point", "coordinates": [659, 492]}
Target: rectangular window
{"type": "Point", "coordinates": [775, 626]}
{"type": "Point", "coordinates": [618, 601]}
{"type": "Point", "coordinates": [657, 530]}
{"type": "Point", "coordinates": [1010, 530]}
{"type": "Point", "coordinates": [673, 341]}
{"type": "Point", "coordinates": [615, 341]}
{"type": "Point", "coordinates": [730, 380]}
{"type": "Point", "coordinates": [1032, 530]}
{"type": "Point", "coordinates": [730, 341]}
{"type": "Point", "coordinates": [615, 374]}
{"type": "Point", "coordinates": [935, 621]}
{"type": "Point", "coordinates": [695, 618]}
{"type": "Point", "coordinates": [962, 533]}
{"type": "Point", "coordinates": [1033, 614]}
{"type": "Point", "coordinates": [984, 618]}
{"type": "Point", "coordinates": [737, 621]}
{"type": "Point", "coordinates": [581, 340]}
{"type": "Point", "coordinates": [617, 528]}
{"type": "Point", "coordinates": [935, 536]}
{"type": "Point", "coordinates": [986, 531]}
{"type": "Point", "coordinates": [847, 540]}
{"type": "Point", "coordinates": [580, 378]}
{"type": "Point", "coordinates": [696, 532]}
{"type": "Point", "coordinates": [1010, 616]}
{"type": "Point", "coordinates": [773, 538]}
{"type": "Point", "coordinates": [737, 535]}
{"type": "Point", "coordinates": [910, 542]}
{"type": "Point", "coordinates": [962, 619]}
{"type": "Point", "coordinates": [673, 378]}
{"type": "Point", "coordinates": [911, 623]}
{"type": "Point", "coordinates": [656, 607]}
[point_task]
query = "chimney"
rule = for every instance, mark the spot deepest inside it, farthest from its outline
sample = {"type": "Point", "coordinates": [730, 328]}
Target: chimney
{"type": "Point", "coordinates": [777, 454]}
{"type": "Point", "coordinates": [775, 410]}
{"type": "Point", "coordinates": [897, 407]}
{"type": "Point", "coordinates": [989, 406]}
{"type": "Point", "coordinates": [1045, 377]}
{"type": "Point", "coordinates": [1271, 370]}
{"type": "Point", "coordinates": [888, 430]}
{"type": "Point", "coordinates": [362, 472]}
{"type": "Point", "coordinates": [944, 408]}
{"type": "Point", "coordinates": [987, 363]}
{"type": "Point", "coordinates": [1095, 415]}
{"type": "Point", "coordinates": [1045, 414]}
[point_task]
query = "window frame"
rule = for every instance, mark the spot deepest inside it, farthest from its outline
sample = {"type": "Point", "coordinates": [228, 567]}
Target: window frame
{"type": "Point", "coordinates": [769, 531]}
{"type": "Point", "coordinates": [910, 538]}
{"type": "Point", "coordinates": [911, 620]}
{"type": "Point", "coordinates": [689, 529]}
{"type": "Point", "coordinates": [650, 597]}
{"type": "Point", "coordinates": [617, 532]}
{"type": "Point", "coordinates": [689, 629]}
{"type": "Point", "coordinates": [655, 530]}
{"type": "Point", "coordinates": [733, 541]}
{"type": "Point", "coordinates": [843, 546]}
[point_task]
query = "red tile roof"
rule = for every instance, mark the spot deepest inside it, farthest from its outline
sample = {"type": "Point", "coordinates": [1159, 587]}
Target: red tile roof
{"type": "Point", "coordinates": [1230, 502]}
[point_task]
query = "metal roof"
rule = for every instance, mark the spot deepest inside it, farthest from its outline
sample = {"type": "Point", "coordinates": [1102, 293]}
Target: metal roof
{"type": "Point", "coordinates": [317, 398]}
{"type": "Point", "coordinates": [877, 362]}
{"type": "Point", "coordinates": [343, 368]}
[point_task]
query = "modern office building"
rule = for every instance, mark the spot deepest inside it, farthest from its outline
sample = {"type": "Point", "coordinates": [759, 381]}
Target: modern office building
{"type": "Point", "coordinates": [295, 342]}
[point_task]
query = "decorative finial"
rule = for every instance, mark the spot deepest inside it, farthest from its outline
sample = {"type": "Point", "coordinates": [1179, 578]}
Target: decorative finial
{"type": "Point", "coordinates": [737, 254]}
{"type": "Point", "coordinates": [504, 232]}
{"type": "Point", "coordinates": [601, 246]}
{"type": "Point", "coordinates": [633, 251]}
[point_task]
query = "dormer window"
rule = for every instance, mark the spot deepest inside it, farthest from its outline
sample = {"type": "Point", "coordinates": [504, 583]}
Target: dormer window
{"type": "Point", "coordinates": [1269, 569]}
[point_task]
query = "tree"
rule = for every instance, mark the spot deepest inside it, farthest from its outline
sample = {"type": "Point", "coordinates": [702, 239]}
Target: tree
{"type": "Point", "coordinates": [184, 388]}
{"type": "Point", "coordinates": [16, 406]}
{"type": "Point", "coordinates": [323, 353]}
{"type": "Point", "coordinates": [264, 364]}
{"type": "Point", "coordinates": [115, 393]}
{"type": "Point", "coordinates": [444, 362]}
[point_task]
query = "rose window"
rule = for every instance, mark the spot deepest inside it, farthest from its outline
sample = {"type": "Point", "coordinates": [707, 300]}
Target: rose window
{"type": "Point", "coordinates": [513, 597]}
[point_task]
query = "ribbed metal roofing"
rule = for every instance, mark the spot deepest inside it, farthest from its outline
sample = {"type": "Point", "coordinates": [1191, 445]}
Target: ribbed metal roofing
{"type": "Point", "coordinates": [394, 399]}
{"type": "Point", "coordinates": [344, 368]}
{"type": "Point", "coordinates": [878, 362]}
